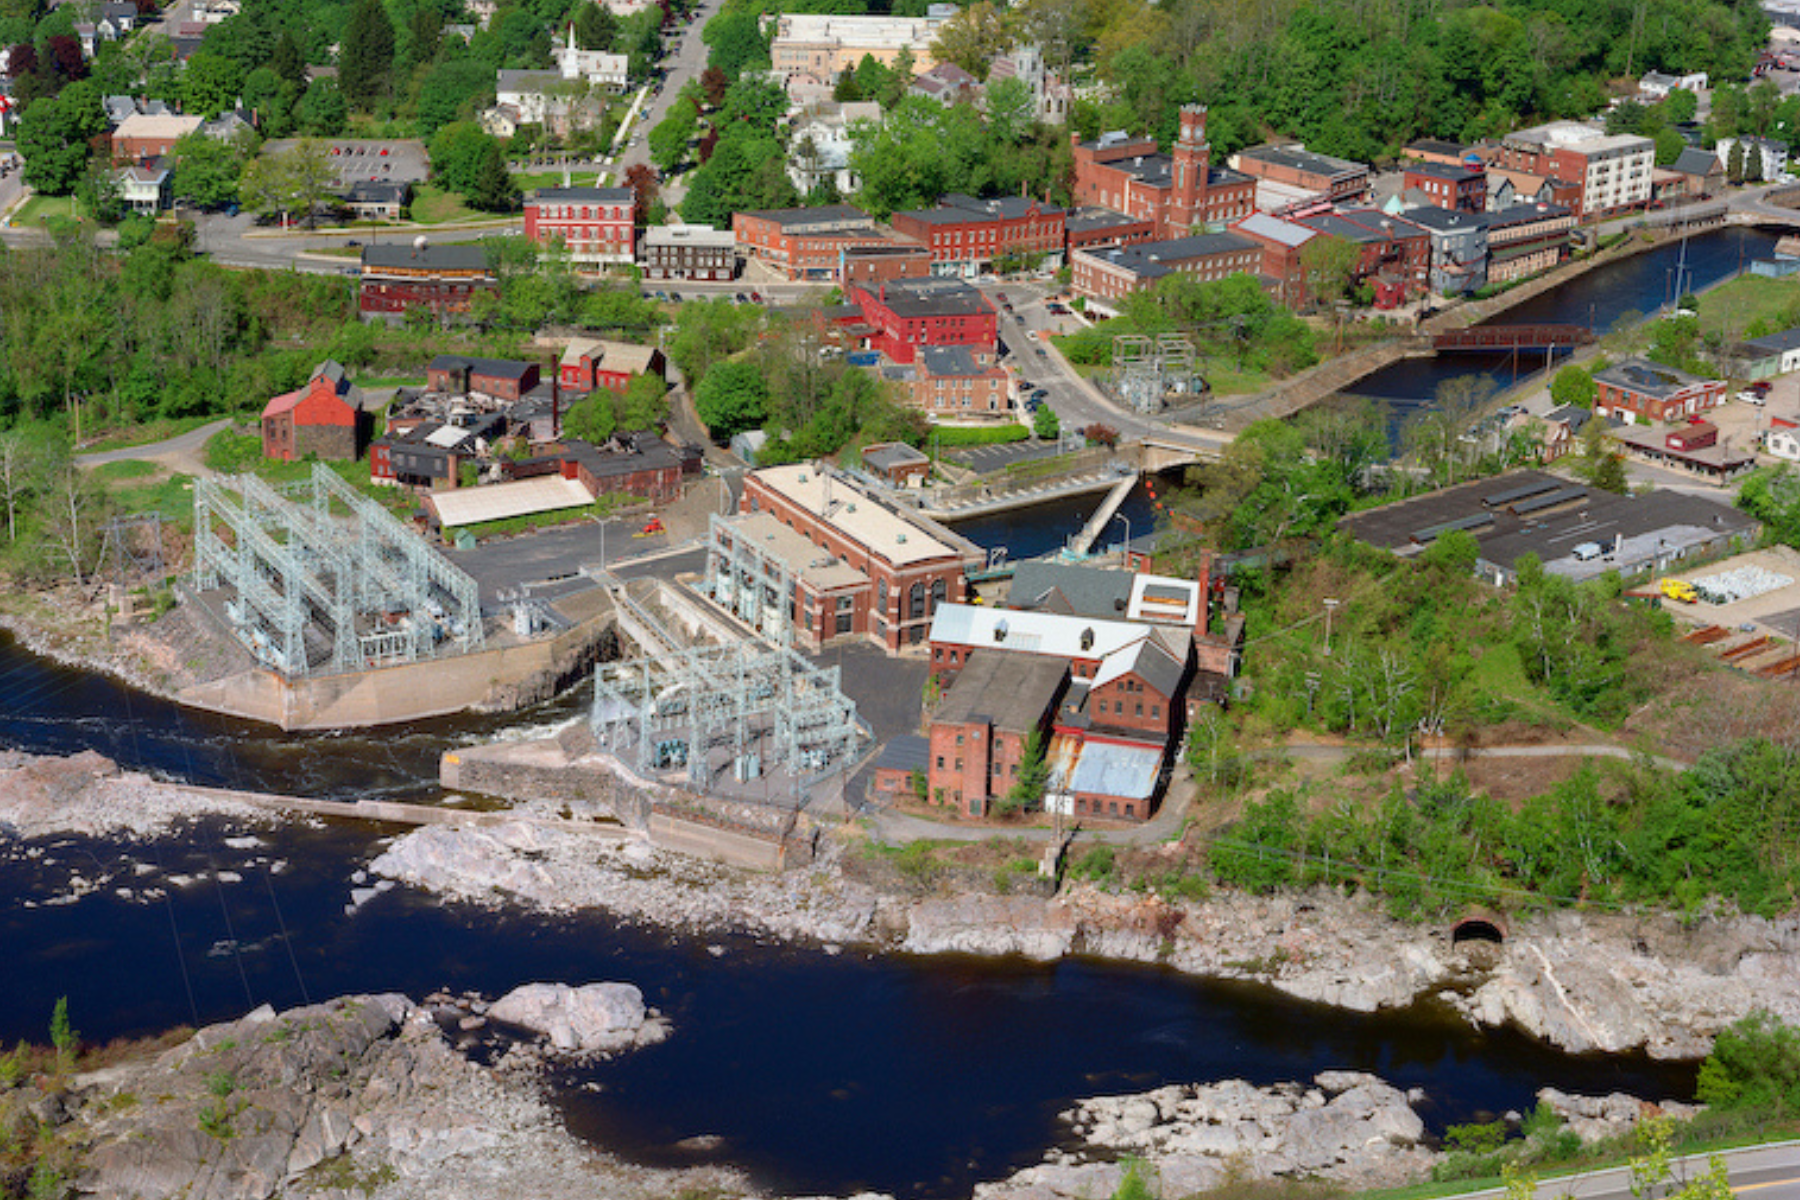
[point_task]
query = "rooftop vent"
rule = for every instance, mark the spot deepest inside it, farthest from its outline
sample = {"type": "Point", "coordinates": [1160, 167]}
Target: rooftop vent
{"type": "Point", "coordinates": [1000, 631]}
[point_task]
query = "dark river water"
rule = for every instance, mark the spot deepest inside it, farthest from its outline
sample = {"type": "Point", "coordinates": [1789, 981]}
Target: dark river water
{"type": "Point", "coordinates": [1623, 291]}
{"type": "Point", "coordinates": [820, 1073]}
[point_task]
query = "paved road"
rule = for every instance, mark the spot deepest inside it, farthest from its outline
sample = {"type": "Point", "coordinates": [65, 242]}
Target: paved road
{"type": "Point", "coordinates": [1765, 1172]}
{"type": "Point", "coordinates": [180, 454]}
{"type": "Point", "coordinates": [685, 62]}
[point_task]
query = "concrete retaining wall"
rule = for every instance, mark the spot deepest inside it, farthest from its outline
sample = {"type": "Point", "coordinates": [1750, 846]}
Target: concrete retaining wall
{"type": "Point", "coordinates": [502, 678]}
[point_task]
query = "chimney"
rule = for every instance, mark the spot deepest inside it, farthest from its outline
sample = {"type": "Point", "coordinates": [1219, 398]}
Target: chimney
{"type": "Point", "coordinates": [555, 399]}
{"type": "Point", "coordinates": [1203, 576]}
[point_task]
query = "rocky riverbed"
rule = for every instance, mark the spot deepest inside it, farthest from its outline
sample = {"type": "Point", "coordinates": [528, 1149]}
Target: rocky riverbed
{"type": "Point", "coordinates": [89, 794]}
{"type": "Point", "coordinates": [361, 1096]}
{"type": "Point", "coordinates": [1582, 981]}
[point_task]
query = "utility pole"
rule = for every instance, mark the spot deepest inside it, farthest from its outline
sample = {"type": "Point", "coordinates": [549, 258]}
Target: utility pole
{"type": "Point", "coordinates": [1330, 607]}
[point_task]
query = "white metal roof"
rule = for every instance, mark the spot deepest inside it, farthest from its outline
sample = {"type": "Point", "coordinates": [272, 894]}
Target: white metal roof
{"type": "Point", "coordinates": [1115, 769]}
{"type": "Point", "coordinates": [1164, 598]}
{"type": "Point", "coordinates": [446, 436]}
{"type": "Point", "coordinates": [496, 502]}
{"type": "Point", "coordinates": [1035, 632]}
{"type": "Point", "coordinates": [850, 511]}
{"type": "Point", "coordinates": [1275, 229]}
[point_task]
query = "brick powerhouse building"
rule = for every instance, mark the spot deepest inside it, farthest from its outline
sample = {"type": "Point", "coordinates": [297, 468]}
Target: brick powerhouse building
{"type": "Point", "coordinates": [325, 418]}
{"type": "Point", "coordinates": [1175, 192]}
{"type": "Point", "coordinates": [1640, 390]}
{"type": "Point", "coordinates": [1338, 180]}
{"type": "Point", "coordinates": [980, 728]}
{"type": "Point", "coordinates": [397, 278]}
{"type": "Point", "coordinates": [911, 565]}
{"type": "Point", "coordinates": [805, 243]}
{"type": "Point", "coordinates": [966, 235]}
{"type": "Point", "coordinates": [907, 315]}
{"type": "Point", "coordinates": [597, 225]}
{"type": "Point", "coordinates": [635, 463]}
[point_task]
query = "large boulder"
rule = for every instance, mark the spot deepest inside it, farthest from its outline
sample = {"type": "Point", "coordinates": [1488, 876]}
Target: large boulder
{"type": "Point", "coordinates": [594, 1018]}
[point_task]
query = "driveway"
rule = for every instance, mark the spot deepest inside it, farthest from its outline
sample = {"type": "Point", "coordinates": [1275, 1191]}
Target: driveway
{"type": "Point", "coordinates": [181, 454]}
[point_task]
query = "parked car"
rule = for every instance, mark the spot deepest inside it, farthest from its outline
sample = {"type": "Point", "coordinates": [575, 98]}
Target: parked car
{"type": "Point", "coordinates": [1762, 387]}
{"type": "Point", "coordinates": [674, 297]}
{"type": "Point", "coordinates": [741, 298]}
{"type": "Point", "coordinates": [1751, 397]}
{"type": "Point", "coordinates": [756, 298]}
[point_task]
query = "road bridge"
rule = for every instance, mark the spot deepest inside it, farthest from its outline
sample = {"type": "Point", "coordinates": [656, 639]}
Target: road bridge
{"type": "Point", "coordinates": [1481, 339]}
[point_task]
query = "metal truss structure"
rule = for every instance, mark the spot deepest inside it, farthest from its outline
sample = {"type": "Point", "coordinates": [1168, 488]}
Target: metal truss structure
{"type": "Point", "coordinates": [326, 579]}
{"type": "Point", "coordinates": [742, 707]}
{"type": "Point", "coordinates": [133, 546]}
{"type": "Point", "coordinates": [755, 587]}
{"type": "Point", "coordinates": [1147, 369]}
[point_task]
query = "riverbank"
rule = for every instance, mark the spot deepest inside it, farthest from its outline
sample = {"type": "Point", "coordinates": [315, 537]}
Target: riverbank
{"type": "Point", "coordinates": [1580, 980]}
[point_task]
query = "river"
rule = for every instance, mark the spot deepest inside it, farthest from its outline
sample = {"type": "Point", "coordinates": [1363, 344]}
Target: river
{"type": "Point", "coordinates": [820, 1072]}
{"type": "Point", "coordinates": [1626, 291]}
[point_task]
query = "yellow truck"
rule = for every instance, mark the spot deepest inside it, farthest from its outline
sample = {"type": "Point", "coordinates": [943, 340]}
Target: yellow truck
{"type": "Point", "coordinates": [1679, 589]}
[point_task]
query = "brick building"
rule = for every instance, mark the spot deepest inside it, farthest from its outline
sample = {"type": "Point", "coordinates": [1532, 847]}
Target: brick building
{"type": "Point", "coordinates": [870, 265]}
{"type": "Point", "coordinates": [501, 378]}
{"type": "Point", "coordinates": [1176, 192]}
{"type": "Point", "coordinates": [966, 235]}
{"type": "Point", "coordinates": [1640, 390]}
{"type": "Point", "coordinates": [956, 382]}
{"type": "Point", "coordinates": [980, 729]}
{"type": "Point", "coordinates": [325, 418]}
{"type": "Point", "coordinates": [1282, 243]}
{"type": "Point", "coordinates": [805, 243]}
{"type": "Point", "coordinates": [1090, 228]}
{"type": "Point", "coordinates": [1526, 239]}
{"type": "Point", "coordinates": [1394, 255]}
{"type": "Point", "coordinates": [907, 565]}
{"type": "Point", "coordinates": [896, 464]}
{"type": "Point", "coordinates": [634, 463]}
{"type": "Point", "coordinates": [598, 226]}
{"type": "Point", "coordinates": [143, 136]}
{"type": "Point", "coordinates": [1461, 187]}
{"type": "Point", "coordinates": [1337, 180]}
{"type": "Point", "coordinates": [591, 363]}
{"type": "Point", "coordinates": [1611, 170]}
{"type": "Point", "coordinates": [688, 252]}
{"type": "Point", "coordinates": [443, 280]}
{"type": "Point", "coordinates": [907, 315]}
{"type": "Point", "coordinates": [1108, 274]}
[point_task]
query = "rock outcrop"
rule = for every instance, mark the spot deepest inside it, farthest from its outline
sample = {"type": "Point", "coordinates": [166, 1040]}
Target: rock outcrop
{"type": "Point", "coordinates": [1349, 1127]}
{"type": "Point", "coordinates": [598, 1018]}
{"type": "Point", "coordinates": [361, 1095]}
{"type": "Point", "coordinates": [1580, 981]}
{"type": "Point", "coordinates": [1595, 1118]}
{"type": "Point", "coordinates": [87, 793]}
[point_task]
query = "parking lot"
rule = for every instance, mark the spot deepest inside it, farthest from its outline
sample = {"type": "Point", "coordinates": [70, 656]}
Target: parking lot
{"type": "Point", "coordinates": [986, 459]}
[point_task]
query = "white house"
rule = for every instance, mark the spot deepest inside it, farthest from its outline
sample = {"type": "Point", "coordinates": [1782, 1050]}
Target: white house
{"type": "Point", "coordinates": [1782, 439]}
{"type": "Point", "coordinates": [1655, 85]}
{"type": "Point", "coordinates": [144, 189]}
{"type": "Point", "coordinates": [544, 98]}
{"type": "Point", "coordinates": [1774, 154]}
{"type": "Point", "coordinates": [819, 144]}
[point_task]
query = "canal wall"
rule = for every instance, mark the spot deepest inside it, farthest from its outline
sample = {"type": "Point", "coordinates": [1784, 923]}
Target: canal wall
{"type": "Point", "coordinates": [568, 771]}
{"type": "Point", "coordinates": [500, 678]}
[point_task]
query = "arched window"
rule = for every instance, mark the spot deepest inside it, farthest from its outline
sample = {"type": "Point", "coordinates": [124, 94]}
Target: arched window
{"type": "Point", "coordinates": [938, 590]}
{"type": "Point", "coordinates": [916, 601]}
{"type": "Point", "coordinates": [881, 597]}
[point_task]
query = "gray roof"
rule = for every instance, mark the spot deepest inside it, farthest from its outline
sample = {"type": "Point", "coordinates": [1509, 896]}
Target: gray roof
{"type": "Point", "coordinates": [1010, 691]}
{"type": "Point", "coordinates": [1301, 159]}
{"type": "Point", "coordinates": [957, 208]}
{"type": "Point", "coordinates": [1524, 214]}
{"type": "Point", "coordinates": [1080, 591]}
{"type": "Point", "coordinates": [505, 368]}
{"type": "Point", "coordinates": [889, 455]}
{"type": "Point", "coordinates": [908, 752]}
{"type": "Point", "coordinates": [809, 216]}
{"type": "Point", "coordinates": [932, 297]}
{"type": "Point", "coordinates": [950, 360]}
{"type": "Point", "coordinates": [591, 195]}
{"type": "Point", "coordinates": [376, 191]}
{"type": "Point", "coordinates": [1439, 170]}
{"type": "Point", "coordinates": [1647, 378]}
{"type": "Point", "coordinates": [1437, 146]}
{"type": "Point", "coordinates": [1089, 217]}
{"type": "Point", "coordinates": [625, 453]}
{"type": "Point", "coordinates": [1777, 343]}
{"type": "Point", "coordinates": [1445, 220]}
{"type": "Point", "coordinates": [1112, 769]}
{"type": "Point", "coordinates": [1694, 161]}
{"type": "Point", "coordinates": [1153, 258]}
{"type": "Point", "coordinates": [391, 255]}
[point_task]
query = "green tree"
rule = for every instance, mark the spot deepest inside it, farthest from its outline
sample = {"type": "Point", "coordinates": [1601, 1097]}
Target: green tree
{"type": "Point", "coordinates": [207, 171]}
{"type": "Point", "coordinates": [287, 61]}
{"type": "Point", "coordinates": [595, 27]}
{"type": "Point", "coordinates": [492, 189]}
{"type": "Point", "coordinates": [1327, 265]}
{"type": "Point", "coordinates": [1010, 113]}
{"type": "Point", "coordinates": [1755, 1067]}
{"type": "Point", "coordinates": [322, 111]}
{"type": "Point", "coordinates": [1573, 387]}
{"type": "Point", "coordinates": [366, 59]}
{"type": "Point", "coordinates": [732, 397]}
{"type": "Point", "coordinates": [592, 419]}
{"type": "Point", "coordinates": [454, 91]}
{"type": "Point", "coordinates": [1680, 106]}
{"type": "Point", "coordinates": [54, 137]}
{"type": "Point", "coordinates": [973, 38]}
{"type": "Point", "coordinates": [1734, 162]}
{"type": "Point", "coordinates": [211, 84]}
{"type": "Point", "coordinates": [1044, 423]}
{"type": "Point", "coordinates": [737, 41]}
{"type": "Point", "coordinates": [1027, 792]}
{"type": "Point", "coordinates": [63, 1036]}
{"type": "Point", "coordinates": [644, 403]}
{"type": "Point", "coordinates": [669, 138]}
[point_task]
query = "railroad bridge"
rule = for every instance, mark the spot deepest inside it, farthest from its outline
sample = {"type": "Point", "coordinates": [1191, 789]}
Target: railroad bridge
{"type": "Point", "coordinates": [1482, 339]}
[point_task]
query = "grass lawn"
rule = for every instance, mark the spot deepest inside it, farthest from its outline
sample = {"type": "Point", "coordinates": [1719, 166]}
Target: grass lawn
{"type": "Point", "coordinates": [432, 205]}
{"type": "Point", "coordinates": [34, 210]}
{"type": "Point", "coordinates": [1227, 381]}
{"type": "Point", "coordinates": [1731, 307]}
{"type": "Point", "coordinates": [172, 497]}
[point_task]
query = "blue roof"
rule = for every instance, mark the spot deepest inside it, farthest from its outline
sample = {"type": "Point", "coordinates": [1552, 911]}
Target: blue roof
{"type": "Point", "coordinates": [1113, 769]}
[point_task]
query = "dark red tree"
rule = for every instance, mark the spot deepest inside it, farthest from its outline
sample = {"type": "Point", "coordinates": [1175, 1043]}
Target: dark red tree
{"type": "Point", "coordinates": [641, 179]}
{"type": "Point", "coordinates": [65, 54]}
{"type": "Point", "coordinates": [24, 60]}
{"type": "Point", "coordinates": [713, 82]}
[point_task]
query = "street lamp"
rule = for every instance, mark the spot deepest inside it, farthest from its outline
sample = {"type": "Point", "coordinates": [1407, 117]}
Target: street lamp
{"type": "Point", "coordinates": [1125, 551]}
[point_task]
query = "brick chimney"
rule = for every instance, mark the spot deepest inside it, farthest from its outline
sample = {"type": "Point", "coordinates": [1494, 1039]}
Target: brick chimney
{"type": "Point", "coordinates": [1203, 576]}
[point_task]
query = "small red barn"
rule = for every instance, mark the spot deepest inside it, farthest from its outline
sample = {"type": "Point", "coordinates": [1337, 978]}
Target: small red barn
{"type": "Point", "coordinates": [325, 419]}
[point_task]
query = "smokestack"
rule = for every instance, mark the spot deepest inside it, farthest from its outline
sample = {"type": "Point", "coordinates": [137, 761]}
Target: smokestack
{"type": "Point", "coordinates": [1204, 578]}
{"type": "Point", "coordinates": [555, 400]}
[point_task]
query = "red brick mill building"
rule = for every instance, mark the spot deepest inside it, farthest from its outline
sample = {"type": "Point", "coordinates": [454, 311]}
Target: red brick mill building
{"type": "Point", "coordinates": [398, 277]}
{"type": "Point", "coordinates": [908, 315]}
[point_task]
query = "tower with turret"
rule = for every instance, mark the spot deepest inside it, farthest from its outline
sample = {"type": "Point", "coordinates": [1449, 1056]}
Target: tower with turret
{"type": "Point", "coordinates": [1190, 170]}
